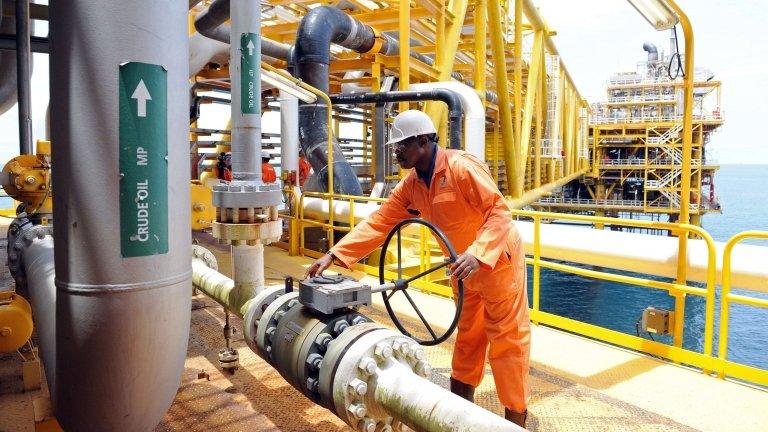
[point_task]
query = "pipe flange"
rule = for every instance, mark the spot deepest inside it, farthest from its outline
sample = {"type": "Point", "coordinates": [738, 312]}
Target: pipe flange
{"type": "Point", "coordinates": [205, 256]}
{"type": "Point", "coordinates": [256, 309]}
{"type": "Point", "coordinates": [247, 233]}
{"type": "Point", "coordinates": [272, 314]}
{"type": "Point", "coordinates": [22, 234]}
{"type": "Point", "coordinates": [357, 370]}
{"type": "Point", "coordinates": [235, 195]}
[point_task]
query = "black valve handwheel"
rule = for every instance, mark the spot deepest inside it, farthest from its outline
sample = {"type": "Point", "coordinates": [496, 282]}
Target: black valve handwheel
{"type": "Point", "coordinates": [402, 284]}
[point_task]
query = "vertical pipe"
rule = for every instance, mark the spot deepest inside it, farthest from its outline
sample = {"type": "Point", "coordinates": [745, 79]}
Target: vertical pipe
{"type": "Point", "coordinates": [289, 132]}
{"type": "Point", "coordinates": [378, 142]}
{"type": "Point", "coordinates": [247, 272]}
{"type": "Point", "coordinates": [245, 59]}
{"type": "Point", "coordinates": [122, 318]}
{"type": "Point", "coordinates": [23, 70]}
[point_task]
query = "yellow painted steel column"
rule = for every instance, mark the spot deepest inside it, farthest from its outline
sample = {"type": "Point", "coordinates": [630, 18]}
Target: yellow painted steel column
{"type": "Point", "coordinates": [518, 68]}
{"type": "Point", "coordinates": [685, 186]}
{"type": "Point", "coordinates": [481, 42]}
{"type": "Point", "coordinates": [532, 88]}
{"type": "Point", "coordinates": [537, 143]}
{"type": "Point", "coordinates": [512, 156]}
{"type": "Point", "coordinates": [445, 56]}
{"type": "Point", "coordinates": [404, 16]}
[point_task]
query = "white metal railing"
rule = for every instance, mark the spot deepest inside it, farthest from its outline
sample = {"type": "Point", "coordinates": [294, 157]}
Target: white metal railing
{"type": "Point", "coordinates": [642, 98]}
{"type": "Point", "coordinates": [597, 120]}
{"type": "Point", "coordinates": [614, 162]}
{"type": "Point", "coordinates": [551, 148]}
{"type": "Point", "coordinates": [610, 203]}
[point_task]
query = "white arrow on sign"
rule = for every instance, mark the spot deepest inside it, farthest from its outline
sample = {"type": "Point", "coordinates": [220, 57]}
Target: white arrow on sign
{"type": "Point", "coordinates": [250, 47]}
{"type": "Point", "coordinates": [141, 94]}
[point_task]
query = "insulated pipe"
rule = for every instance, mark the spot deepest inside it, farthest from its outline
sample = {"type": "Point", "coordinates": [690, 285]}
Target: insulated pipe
{"type": "Point", "coordinates": [37, 260]}
{"type": "Point", "coordinates": [653, 52]}
{"type": "Point", "coordinates": [122, 311]}
{"type": "Point", "coordinates": [474, 113]}
{"type": "Point", "coordinates": [7, 65]}
{"type": "Point", "coordinates": [431, 407]}
{"type": "Point", "coordinates": [211, 23]}
{"type": "Point", "coordinates": [455, 109]}
{"type": "Point", "coordinates": [23, 76]}
{"type": "Point", "coordinates": [379, 142]}
{"type": "Point", "coordinates": [289, 133]}
{"type": "Point", "coordinates": [312, 53]}
{"type": "Point", "coordinates": [246, 96]}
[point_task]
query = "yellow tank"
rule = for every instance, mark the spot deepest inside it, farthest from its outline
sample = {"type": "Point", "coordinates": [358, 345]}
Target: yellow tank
{"type": "Point", "coordinates": [15, 321]}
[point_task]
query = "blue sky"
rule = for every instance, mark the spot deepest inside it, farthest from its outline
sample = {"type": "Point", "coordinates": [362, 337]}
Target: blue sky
{"type": "Point", "coordinates": [596, 38]}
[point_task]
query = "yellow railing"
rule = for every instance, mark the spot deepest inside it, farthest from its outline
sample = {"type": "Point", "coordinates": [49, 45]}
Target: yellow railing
{"type": "Point", "coordinates": [727, 368]}
{"type": "Point", "coordinates": [706, 360]}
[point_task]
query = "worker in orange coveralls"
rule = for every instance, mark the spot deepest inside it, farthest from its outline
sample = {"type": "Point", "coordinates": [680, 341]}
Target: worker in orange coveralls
{"type": "Point", "coordinates": [304, 168]}
{"type": "Point", "coordinates": [268, 174]}
{"type": "Point", "coordinates": [454, 190]}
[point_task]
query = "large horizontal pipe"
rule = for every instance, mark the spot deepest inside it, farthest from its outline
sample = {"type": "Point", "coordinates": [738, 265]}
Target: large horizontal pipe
{"type": "Point", "coordinates": [211, 23]}
{"type": "Point", "coordinates": [474, 113]}
{"type": "Point", "coordinates": [451, 98]}
{"type": "Point", "coordinates": [648, 254]}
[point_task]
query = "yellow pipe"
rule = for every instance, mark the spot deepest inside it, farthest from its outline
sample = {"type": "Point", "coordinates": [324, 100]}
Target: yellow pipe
{"type": "Point", "coordinates": [727, 297]}
{"type": "Point", "coordinates": [534, 195]}
{"type": "Point", "coordinates": [511, 155]}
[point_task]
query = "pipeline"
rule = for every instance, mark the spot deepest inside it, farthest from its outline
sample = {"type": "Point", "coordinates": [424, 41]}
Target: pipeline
{"type": "Point", "coordinates": [24, 75]}
{"type": "Point", "coordinates": [455, 109]}
{"type": "Point", "coordinates": [371, 377]}
{"type": "Point", "coordinates": [30, 261]}
{"type": "Point", "coordinates": [122, 313]}
{"type": "Point", "coordinates": [211, 23]}
{"type": "Point", "coordinates": [474, 113]}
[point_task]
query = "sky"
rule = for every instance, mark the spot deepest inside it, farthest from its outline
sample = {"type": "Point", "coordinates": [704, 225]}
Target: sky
{"type": "Point", "coordinates": [597, 38]}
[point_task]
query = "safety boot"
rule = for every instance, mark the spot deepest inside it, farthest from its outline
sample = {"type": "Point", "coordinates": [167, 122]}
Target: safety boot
{"type": "Point", "coordinates": [515, 417]}
{"type": "Point", "coordinates": [464, 390]}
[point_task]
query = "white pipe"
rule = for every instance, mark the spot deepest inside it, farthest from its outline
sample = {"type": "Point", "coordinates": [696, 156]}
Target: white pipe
{"type": "Point", "coordinates": [474, 113]}
{"type": "Point", "coordinates": [289, 133]}
{"type": "Point", "coordinates": [248, 271]}
{"type": "Point", "coordinates": [349, 87]}
{"type": "Point", "coordinates": [425, 406]}
{"type": "Point", "coordinates": [203, 50]}
{"type": "Point", "coordinates": [640, 253]}
{"type": "Point", "coordinates": [40, 273]}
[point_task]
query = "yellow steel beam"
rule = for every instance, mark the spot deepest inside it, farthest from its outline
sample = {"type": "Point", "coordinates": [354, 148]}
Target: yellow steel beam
{"type": "Point", "coordinates": [512, 155]}
{"type": "Point", "coordinates": [404, 36]}
{"type": "Point", "coordinates": [481, 47]}
{"type": "Point", "coordinates": [446, 54]}
{"type": "Point", "coordinates": [530, 95]}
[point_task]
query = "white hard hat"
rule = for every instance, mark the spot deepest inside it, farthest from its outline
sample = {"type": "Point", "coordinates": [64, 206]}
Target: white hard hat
{"type": "Point", "coordinates": [409, 124]}
{"type": "Point", "coordinates": [265, 155]}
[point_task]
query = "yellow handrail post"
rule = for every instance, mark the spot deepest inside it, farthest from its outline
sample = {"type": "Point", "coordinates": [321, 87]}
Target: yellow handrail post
{"type": "Point", "coordinates": [536, 264]}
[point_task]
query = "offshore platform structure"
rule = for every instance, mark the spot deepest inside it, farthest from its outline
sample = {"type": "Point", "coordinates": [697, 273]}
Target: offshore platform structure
{"type": "Point", "coordinates": [636, 144]}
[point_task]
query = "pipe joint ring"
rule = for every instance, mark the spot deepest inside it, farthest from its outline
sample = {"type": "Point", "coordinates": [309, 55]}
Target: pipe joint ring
{"type": "Point", "coordinates": [205, 256]}
{"type": "Point", "coordinates": [378, 42]}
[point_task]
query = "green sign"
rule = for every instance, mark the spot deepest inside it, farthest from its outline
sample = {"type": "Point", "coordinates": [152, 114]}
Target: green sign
{"type": "Point", "coordinates": [249, 84]}
{"type": "Point", "coordinates": [143, 159]}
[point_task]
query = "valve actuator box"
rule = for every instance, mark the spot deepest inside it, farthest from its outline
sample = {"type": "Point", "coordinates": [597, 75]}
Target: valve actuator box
{"type": "Point", "coordinates": [328, 294]}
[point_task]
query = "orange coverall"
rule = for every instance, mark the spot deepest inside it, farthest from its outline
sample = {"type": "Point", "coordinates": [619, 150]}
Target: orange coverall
{"type": "Point", "coordinates": [464, 202]}
{"type": "Point", "coordinates": [268, 174]}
